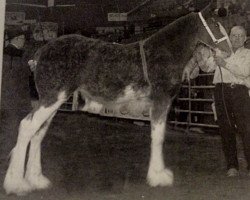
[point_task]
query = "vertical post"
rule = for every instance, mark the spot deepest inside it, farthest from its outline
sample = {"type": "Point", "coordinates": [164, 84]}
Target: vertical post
{"type": "Point", "coordinates": [51, 3]}
{"type": "Point", "coordinates": [2, 18]}
{"type": "Point", "coordinates": [75, 101]}
{"type": "Point", "coordinates": [189, 105]}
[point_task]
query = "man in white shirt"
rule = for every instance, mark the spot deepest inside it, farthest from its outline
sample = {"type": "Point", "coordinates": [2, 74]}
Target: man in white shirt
{"type": "Point", "coordinates": [232, 101]}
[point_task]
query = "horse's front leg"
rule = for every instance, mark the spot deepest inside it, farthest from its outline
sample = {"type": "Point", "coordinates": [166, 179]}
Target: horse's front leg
{"type": "Point", "coordinates": [158, 175]}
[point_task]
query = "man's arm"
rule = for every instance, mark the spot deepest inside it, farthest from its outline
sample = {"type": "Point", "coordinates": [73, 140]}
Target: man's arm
{"type": "Point", "coordinates": [241, 71]}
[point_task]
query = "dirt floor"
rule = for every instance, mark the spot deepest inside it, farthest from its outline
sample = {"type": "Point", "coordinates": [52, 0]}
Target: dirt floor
{"type": "Point", "coordinates": [92, 158]}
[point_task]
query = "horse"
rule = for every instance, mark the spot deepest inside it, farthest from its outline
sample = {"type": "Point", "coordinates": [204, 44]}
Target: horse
{"type": "Point", "coordinates": [106, 74]}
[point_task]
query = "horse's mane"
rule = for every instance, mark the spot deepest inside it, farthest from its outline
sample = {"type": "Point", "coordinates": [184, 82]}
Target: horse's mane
{"type": "Point", "coordinates": [176, 28]}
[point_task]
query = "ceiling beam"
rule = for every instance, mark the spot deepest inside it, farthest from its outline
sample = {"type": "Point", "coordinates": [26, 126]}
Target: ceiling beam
{"type": "Point", "coordinates": [138, 7]}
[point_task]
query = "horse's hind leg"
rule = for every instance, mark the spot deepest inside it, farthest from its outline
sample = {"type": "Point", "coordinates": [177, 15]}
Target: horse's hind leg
{"type": "Point", "coordinates": [14, 180]}
{"type": "Point", "coordinates": [34, 173]}
{"type": "Point", "coordinates": [158, 175]}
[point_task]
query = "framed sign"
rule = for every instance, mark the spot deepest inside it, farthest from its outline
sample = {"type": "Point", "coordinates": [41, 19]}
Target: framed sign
{"type": "Point", "coordinates": [14, 18]}
{"type": "Point", "coordinates": [117, 17]}
{"type": "Point", "coordinates": [45, 31]}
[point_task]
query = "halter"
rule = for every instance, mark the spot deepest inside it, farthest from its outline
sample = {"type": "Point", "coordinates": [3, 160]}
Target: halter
{"type": "Point", "coordinates": [224, 32]}
{"type": "Point", "coordinates": [216, 41]}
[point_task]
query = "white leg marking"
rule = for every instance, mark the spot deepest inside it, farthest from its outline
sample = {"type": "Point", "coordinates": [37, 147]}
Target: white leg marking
{"type": "Point", "coordinates": [158, 175]}
{"type": "Point", "coordinates": [14, 180]}
{"type": "Point", "coordinates": [34, 173]}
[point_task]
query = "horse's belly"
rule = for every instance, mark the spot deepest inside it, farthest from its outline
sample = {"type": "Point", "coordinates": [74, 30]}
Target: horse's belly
{"type": "Point", "coordinates": [128, 101]}
{"type": "Point", "coordinates": [126, 95]}
{"type": "Point", "coordinates": [130, 94]}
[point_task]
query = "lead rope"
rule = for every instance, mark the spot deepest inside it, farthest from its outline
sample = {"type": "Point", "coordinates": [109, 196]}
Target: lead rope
{"type": "Point", "coordinates": [223, 98]}
{"type": "Point", "coordinates": [224, 32]}
{"type": "Point", "coordinates": [144, 62]}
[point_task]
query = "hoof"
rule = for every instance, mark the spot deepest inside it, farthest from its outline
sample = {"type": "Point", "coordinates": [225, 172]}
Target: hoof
{"type": "Point", "coordinates": [39, 182]}
{"type": "Point", "coordinates": [164, 177]}
{"type": "Point", "coordinates": [18, 187]}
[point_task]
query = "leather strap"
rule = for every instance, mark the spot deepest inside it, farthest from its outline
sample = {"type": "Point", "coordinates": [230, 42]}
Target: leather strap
{"type": "Point", "coordinates": [144, 62]}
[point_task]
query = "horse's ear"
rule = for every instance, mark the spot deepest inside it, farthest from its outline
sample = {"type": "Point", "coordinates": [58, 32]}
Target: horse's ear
{"type": "Point", "coordinates": [209, 9]}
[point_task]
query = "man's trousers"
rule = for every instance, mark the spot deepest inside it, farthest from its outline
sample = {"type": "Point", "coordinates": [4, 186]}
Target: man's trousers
{"type": "Point", "coordinates": [232, 103]}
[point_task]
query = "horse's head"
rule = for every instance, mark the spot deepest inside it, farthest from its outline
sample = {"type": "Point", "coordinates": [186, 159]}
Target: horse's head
{"type": "Point", "coordinates": [212, 33]}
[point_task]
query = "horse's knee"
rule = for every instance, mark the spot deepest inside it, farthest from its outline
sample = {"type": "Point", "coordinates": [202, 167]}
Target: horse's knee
{"type": "Point", "coordinates": [37, 138]}
{"type": "Point", "coordinates": [27, 128]}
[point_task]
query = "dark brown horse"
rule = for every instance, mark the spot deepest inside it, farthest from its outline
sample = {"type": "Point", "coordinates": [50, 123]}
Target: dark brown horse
{"type": "Point", "coordinates": [105, 73]}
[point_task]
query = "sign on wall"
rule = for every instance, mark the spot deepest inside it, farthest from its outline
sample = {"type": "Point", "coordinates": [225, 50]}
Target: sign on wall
{"type": "Point", "coordinates": [45, 31]}
{"type": "Point", "coordinates": [118, 17]}
{"type": "Point", "coordinates": [14, 18]}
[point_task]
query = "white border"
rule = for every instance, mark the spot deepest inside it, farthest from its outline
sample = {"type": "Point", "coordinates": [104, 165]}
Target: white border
{"type": "Point", "coordinates": [2, 18]}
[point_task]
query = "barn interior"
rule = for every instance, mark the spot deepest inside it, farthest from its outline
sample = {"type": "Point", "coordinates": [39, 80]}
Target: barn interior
{"type": "Point", "coordinates": [106, 155]}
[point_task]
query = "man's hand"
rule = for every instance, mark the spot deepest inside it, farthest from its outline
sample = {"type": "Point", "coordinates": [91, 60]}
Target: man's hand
{"type": "Point", "coordinates": [220, 61]}
{"type": "Point", "coordinates": [186, 74]}
{"type": "Point", "coordinates": [32, 64]}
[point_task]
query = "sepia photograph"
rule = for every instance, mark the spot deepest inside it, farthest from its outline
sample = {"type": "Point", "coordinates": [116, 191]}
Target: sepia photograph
{"type": "Point", "coordinates": [125, 99]}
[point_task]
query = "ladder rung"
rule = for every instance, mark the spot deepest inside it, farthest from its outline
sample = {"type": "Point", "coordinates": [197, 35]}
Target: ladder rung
{"type": "Point", "coordinates": [207, 74]}
{"type": "Point", "coordinates": [187, 99]}
{"type": "Point", "coordinates": [199, 86]}
{"type": "Point", "coordinates": [194, 111]}
{"type": "Point", "coordinates": [194, 124]}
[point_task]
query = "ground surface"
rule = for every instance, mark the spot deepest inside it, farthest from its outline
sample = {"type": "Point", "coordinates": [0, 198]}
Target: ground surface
{"type": "Point", "coordinates": [89, 158]}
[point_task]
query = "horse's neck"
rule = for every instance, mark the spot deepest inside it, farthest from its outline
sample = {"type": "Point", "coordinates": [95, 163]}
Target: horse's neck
{"type": "Point", "coordinates": [180, 42]}
{"type": "Point", "coordinates": [182, 51]}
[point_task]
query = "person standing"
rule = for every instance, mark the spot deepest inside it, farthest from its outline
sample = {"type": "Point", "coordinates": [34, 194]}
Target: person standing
{"type": "Point", "coordinates": [232, 101]}
{"type": "Point", "coordinates": [15, 42]}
